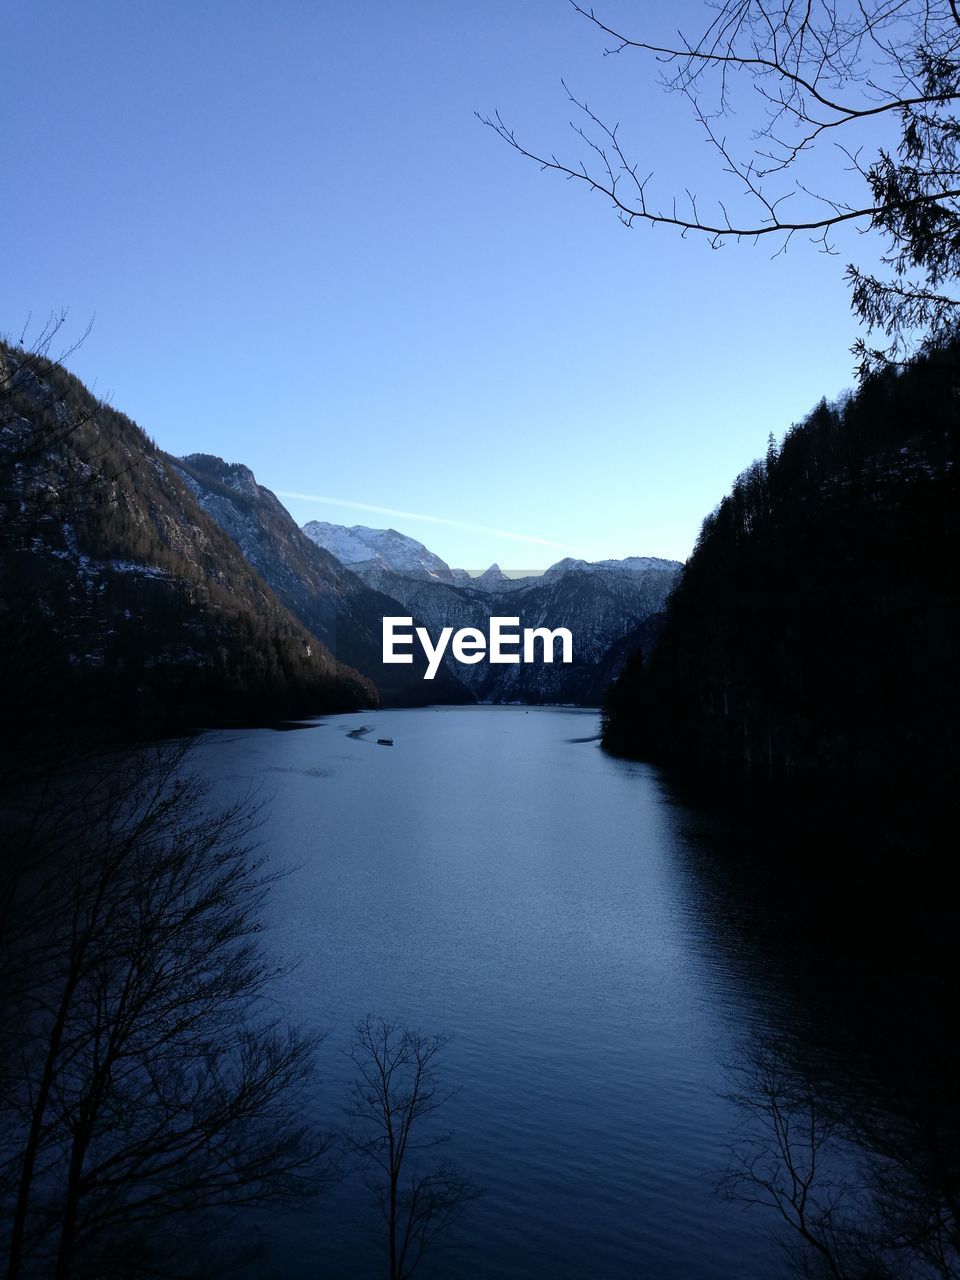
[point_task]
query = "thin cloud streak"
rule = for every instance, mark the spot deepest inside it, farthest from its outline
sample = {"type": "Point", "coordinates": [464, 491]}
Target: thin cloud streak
{"type": "Point", "coordinates": [416, 515]}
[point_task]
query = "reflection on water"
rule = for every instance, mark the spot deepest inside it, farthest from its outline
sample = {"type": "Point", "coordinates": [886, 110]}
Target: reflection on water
{"type": "Point", "coordinates": [600, 962]}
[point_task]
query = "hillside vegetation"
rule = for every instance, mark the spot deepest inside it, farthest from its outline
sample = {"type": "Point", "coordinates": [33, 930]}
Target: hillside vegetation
{"type": "Point", "coordinates": [123, 604]}
{"type": "Point", "coordinates": [814, 630]}
{"type": "Point", "coordinates": [333, 603]}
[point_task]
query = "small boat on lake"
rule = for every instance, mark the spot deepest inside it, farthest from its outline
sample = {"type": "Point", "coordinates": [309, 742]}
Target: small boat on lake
{"type": "Point", "coordinates": [385, 742]}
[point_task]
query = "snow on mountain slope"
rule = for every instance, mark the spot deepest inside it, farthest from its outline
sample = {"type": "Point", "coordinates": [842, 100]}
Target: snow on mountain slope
{"type": "Point", "coordinates": [601, 603]}
{"type": "Point", "coordinates": [380, 548]}
{"type": "Point", "coordinates": [337, 605]}
{"type": "Point", "coordinates": [632, 564]}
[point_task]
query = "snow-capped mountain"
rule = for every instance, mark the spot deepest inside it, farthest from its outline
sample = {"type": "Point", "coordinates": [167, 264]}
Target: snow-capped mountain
{"type": "Point", "coordinates": [601, 603]}
{"type": "Point", "coordinates": [494, 579]}
{"type": "Point", "coordinates": [632, 564]}
{"type": "Point", "coordinates": [372, 549]}
{"type": "Point", "coordinates": [375, 550]}
{"type": "Point", "coordinates": [340, 608]}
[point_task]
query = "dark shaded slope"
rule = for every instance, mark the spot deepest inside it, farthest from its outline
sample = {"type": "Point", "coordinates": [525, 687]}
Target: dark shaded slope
{"type": "Point", "coordinates": [333, 602]}
{"type": "Point", "coordinates": [594, 688]}
{"type": "Point", "coordinates": [602, 611]}
{"type": "Point", "coordinates": [123, 604]}
{"type": "Point", "coordinates": [599, 606]}
{"type": "Point", "coordinates": [815, 629]}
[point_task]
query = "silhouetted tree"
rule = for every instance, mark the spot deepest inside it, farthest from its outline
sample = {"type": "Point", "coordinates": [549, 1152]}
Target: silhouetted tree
{"type": "Point", "coordinates": [864, 1175]}
{"type": "Point", "coordinates": [33, 489]}
{"type": "Point", "coordinates": [814, 630]}
{"type": "Point", "coordinates": [395, 1091]}
{"type": "Point", "coordinates": [145, 1078]}
{"type": "Point", "coordinates": [840, 78]}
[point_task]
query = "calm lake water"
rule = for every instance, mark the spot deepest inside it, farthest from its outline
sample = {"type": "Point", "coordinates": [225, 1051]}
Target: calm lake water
{"type": "Point", "coordinates": [496, 876]}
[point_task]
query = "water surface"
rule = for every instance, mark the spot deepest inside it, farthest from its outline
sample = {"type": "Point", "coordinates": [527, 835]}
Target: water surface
{"type": "Point", "coordinates": [496, 876]}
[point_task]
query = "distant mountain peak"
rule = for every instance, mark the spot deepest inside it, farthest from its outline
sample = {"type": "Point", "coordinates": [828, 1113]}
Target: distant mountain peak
{"type": "Point", "coordinates": [491, 578]}
{"type": "Point", "coordinates": [377, 548]}
{"type": "Point", "coordinates": [374, 552]}
{"type": "Point", "coordinates": [631, 564]}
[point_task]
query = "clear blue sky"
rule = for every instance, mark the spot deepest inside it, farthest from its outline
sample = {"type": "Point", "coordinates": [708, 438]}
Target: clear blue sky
{"type": "Point", "coordinates": [304, 253]}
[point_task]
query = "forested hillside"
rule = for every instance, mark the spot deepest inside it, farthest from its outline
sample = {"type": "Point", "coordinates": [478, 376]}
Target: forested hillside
{"type": "Point", "coordinates": [123, 604]}
{"type": "Point", "coordinates": [332, 602]}
{"type": "Point", "coordinates": [814, 631]}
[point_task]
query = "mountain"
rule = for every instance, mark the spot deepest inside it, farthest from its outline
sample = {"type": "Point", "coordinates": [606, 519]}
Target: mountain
{"type": "Point", "coordinates": [635, 646]}
{"type": "Point", "coordinates": [600, 603]}
{"type": "Point", "coordinates": [333, 603]}
{"type": "Point", "coordinates": [815, 631]}
{"type": "Point", "coordinates": [632, 564]}
{"type": "Point", "coordinates": [144, 591]}
{"type": "Point", "coordinates": [374, 549]}
{"type": "Point", "coordinates": [492, 579]}
{"type": "Point", "coordinates": [124, 603]}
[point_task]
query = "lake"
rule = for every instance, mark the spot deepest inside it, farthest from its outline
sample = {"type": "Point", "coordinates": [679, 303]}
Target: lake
{"type": "Point", "coordinates": [570, 923]}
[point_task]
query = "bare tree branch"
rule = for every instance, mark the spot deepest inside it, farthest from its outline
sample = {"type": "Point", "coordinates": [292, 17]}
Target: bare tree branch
{"type": "Point", "coordinates": [821, 69]}
{"type": "Point", "coordinates": [395, 1090]}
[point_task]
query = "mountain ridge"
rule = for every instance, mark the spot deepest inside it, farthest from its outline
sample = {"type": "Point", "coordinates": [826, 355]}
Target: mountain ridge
{"type": "Point", "coordinates": [124, 604]}
{"type": "Point", "coordinates": [367, 548]}
{"type": "Point", "coordinates": [602, 604]}
{"type": "Point", "coordinates": [335, 603]}
{"type": "Point", "coordinates": [814, 632]}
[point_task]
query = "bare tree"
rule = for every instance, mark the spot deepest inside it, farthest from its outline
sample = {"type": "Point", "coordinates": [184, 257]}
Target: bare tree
{"type": "Point", "coordinates": [865, 1178]}
{"type": "Point", "coordinates": [782, 1162]}
{"type": "Point", "coordinates": [25, 444]}
{"type": "Point", "coordinates": [54, 446]}
{"type": "Point", "coordinates": [852, 118]}
{"type": "Point", "coordinates": [35, 349]}
{"type": "Point", "coordinates": [395, 1091]}
{"type": "Point", "coordinates": [145, 1079]}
